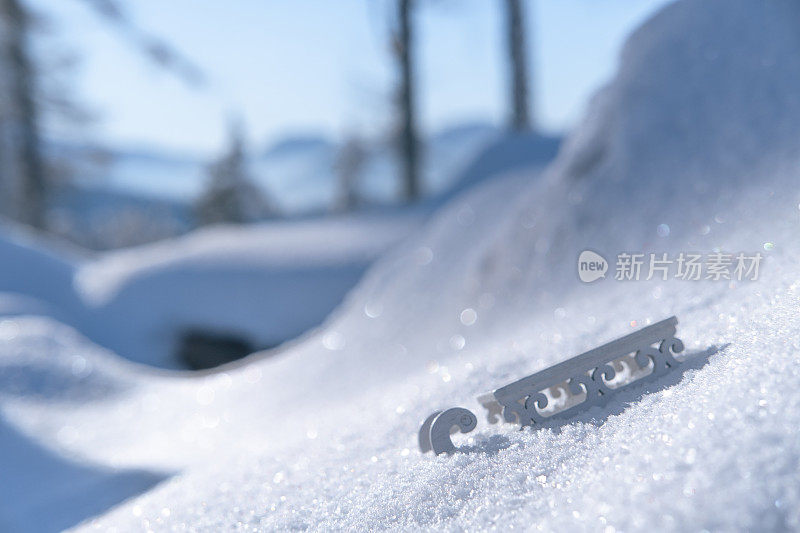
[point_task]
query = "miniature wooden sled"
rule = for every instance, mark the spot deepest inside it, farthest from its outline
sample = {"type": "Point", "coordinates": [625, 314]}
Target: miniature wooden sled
{"type": "Point", "coordinates": [564, 389]}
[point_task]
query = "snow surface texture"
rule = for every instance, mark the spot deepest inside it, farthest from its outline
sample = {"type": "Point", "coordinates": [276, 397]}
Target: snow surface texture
{"type": "Point", "coordinates": [699, 131]}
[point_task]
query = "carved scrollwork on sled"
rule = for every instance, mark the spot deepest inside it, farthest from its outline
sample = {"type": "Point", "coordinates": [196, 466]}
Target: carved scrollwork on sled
{"type": "Point", "coordinates": [594, 375]}
{"type": "Point", "coordinates": [564, 389]}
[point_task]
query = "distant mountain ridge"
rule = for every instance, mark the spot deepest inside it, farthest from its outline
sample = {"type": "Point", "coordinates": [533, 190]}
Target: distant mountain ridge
{"type": "Point", "coordinates": [105, 189]}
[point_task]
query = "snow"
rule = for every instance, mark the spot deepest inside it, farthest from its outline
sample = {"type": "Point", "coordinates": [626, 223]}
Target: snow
{"type": "Point", "coordinates": [50, 483]}
{"type": "Point", "coordinates": [263, 285]}
{"type": "Point", "coordinates": [36, 273]}
{"type": "Point", "coordinates": [266, 283]}
{"type": "Point", "coordinates": [699, 131]}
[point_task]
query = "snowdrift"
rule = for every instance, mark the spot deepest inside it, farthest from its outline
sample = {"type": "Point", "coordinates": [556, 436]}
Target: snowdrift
{"type": "Point", "coordinates": [36, 274]}
{"type": "Point", "coordinates": [693, 146]}
{"type": "Point", "coordinates": [263, 285]}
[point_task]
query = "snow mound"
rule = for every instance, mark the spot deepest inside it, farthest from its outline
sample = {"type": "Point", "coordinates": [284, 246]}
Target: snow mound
{"type": "Point", "coordinates": [507, 154]}
{"type": "Point", "coordinates": [699, 134]}
{"type": "Point", "coordinates": [262, 284]}
{"type": "Point", "coordinates": [265, 284]}
{"type": "Point", "coordinates": [31, 267]}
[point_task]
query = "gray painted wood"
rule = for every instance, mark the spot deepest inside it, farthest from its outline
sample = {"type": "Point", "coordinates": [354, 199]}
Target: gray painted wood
{"type": "Point", "coordinates": [588, 376]}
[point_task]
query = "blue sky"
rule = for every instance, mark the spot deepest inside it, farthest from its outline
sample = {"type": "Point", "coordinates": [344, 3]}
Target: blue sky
{"type": "Point", "coordinates": [321, 66]}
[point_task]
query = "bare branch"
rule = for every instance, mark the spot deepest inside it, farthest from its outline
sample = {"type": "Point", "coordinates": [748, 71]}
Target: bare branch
{"type": "Point", "coordinates": [155, 49]}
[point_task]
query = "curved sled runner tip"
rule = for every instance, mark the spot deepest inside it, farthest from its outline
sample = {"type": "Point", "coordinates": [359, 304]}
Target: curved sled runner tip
{"type": "Point", "coordinates": [435, 431]}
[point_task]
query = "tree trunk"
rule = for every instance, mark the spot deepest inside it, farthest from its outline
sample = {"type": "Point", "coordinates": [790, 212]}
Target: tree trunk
{"type": "Point", "coordinates": [409, 143]}
{"type": "Point", "coordinates": [520, 112]}
{"type": "Point", "coordinates": [22, 154]}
